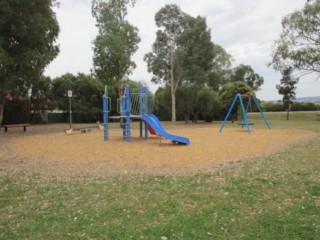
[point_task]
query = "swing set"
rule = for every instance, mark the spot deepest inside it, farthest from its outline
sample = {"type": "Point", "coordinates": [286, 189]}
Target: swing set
{"type": "Point", "coordinates": [244, 110]}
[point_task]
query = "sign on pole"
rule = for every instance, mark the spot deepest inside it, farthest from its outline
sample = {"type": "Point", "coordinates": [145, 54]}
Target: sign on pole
{"type": "Point", "coordinates": [70, 93]}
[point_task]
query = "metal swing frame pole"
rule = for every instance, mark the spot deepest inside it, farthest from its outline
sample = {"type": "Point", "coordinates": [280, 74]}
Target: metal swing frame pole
{"type": "Point", "coordinates": [229, 112]}
{"type": "Point", "coordinates": [263, 116]}
{"type": "Point", "coordinates": [244, 114]}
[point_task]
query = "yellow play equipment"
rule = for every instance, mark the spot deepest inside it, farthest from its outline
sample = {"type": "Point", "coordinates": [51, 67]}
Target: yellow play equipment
{"type": "Point", "coordinates": [84, 129]}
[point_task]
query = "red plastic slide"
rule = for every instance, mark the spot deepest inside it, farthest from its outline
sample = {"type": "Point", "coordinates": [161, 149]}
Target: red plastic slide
{"type": "Point", "coordinates": [151, 130]}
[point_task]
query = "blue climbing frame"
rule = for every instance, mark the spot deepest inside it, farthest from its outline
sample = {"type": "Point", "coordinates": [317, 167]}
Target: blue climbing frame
{"type": "Point", "coordinates": [143, 109]}
{"type": "Point", "coordinates": [126, 112]}
{"type": "Point", "coordinates": [106, 109]}
{"type": "Point", "coordinates": [244, 111]}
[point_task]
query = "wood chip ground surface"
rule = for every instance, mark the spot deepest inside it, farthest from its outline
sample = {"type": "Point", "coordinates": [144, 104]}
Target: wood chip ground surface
{"type": "Point", "coordinates": [48, 151]}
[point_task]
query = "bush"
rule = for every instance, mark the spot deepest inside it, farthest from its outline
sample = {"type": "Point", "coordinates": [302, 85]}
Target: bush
{"type": "Point", "coordinates": [295, 106]}
{"type": "Point", "coordinates": [272, 107]}
{"type": "Point", "coordinates": [16, 111]}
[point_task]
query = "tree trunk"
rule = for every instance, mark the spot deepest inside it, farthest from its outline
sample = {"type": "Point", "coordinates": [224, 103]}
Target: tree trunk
{"type": "Point", "coordinates": [120, 91]}
{"type": "Point", "coordinates": [2, 102]}
{"type": "Point", "coordinates": [195, 118]}
{"type": "Point", "coordinates": [186, 118]}
{"type": "Point", "coordinates": [173, 92]}
{"type": "Point", "coordinates": [288, 113]}
{"type": "Point", "coordinates": [1, 113]}
{"type": "Point", "coordinates": [173, 105]}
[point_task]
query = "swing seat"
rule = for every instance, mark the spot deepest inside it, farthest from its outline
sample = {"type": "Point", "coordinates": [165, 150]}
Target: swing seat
{"type": "Point", "coordinates": [68, 131]}
{"type": "Point", "coordinates": [243, 124]}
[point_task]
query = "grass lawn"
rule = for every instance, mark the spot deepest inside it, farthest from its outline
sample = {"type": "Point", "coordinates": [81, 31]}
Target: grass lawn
{"type": "Point", "coordinates": [277, 197]}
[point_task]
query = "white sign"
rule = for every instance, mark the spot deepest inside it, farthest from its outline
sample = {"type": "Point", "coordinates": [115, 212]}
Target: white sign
{"type": "Point", "coordinates": [69, 93]}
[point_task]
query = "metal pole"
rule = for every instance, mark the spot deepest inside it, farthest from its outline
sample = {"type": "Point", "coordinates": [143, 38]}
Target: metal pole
{"type": "Point", "coordinates": [244, 114]}
{"type": "Point", "coordinates": [70, 113]}
{"type": "Point", "coordinates": [229, 112]}
{"type": "Point", "coordinates": [140, 110]}
{"type": "Point", "coordinates": [105, 118]}
{"type": "Point", "coordinates": [263, 116]}
{"type": "Point", "coordinates": [127, 111]}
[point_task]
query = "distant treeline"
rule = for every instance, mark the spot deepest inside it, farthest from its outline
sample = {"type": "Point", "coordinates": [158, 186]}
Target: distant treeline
{"type": "Point", "coordinates": [193, 102]}
{"type": "Point", "coordinates": [295, 106]}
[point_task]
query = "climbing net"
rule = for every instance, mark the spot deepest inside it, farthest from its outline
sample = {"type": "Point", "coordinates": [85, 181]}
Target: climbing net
{"type": "Point", "coordinates": [141, 103]}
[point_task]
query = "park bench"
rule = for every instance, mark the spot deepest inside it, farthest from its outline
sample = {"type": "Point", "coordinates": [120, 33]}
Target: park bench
{"type": "Point", "coordinates": [24, 126]}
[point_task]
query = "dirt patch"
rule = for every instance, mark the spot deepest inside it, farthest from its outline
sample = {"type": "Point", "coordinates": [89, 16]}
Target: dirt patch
{"type": "Point", "coordinates": [57, 154]}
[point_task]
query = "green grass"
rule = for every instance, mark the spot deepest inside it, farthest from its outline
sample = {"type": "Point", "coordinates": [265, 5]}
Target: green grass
{"type": "Point", "coordinates": [298, 120]}
{"type": "Point", "coordinates": [273, 198]}
{"type": "Point", "coordinates": [293, 116]}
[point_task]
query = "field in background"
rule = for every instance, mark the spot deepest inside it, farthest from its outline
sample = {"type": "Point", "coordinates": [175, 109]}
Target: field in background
{"type": "Point", "coordinates": [294, 116]}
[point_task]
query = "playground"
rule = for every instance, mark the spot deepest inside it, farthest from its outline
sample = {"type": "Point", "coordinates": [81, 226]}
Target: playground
{"type": "Point", "coordinates": [67, 156]}
{"type": "Point", "coordinates": [143, 145]}
{"type": "Point", "coordinates": [54, 184]}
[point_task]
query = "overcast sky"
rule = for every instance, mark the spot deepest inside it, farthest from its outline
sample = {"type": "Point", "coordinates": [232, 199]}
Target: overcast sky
{"type": "Point", "coordinates": [245, 28]}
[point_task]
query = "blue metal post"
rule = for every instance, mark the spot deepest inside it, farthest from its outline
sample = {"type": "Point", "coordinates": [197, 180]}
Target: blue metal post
{"type": "Point", "coordinates": [140, 100]}
{"type": "Point", "coordinates": [248, 105]}
{"type": "Point", "coordinates": [105, 118]}
{"type": "Point", "coordinates": [145, 110]}
{"type": "Point", "coordinates": [145, 92]}
{"type": "Point", "coordinates": [127, 113]}
{"type": "Point", "coordinates": [264, 118]}
{"type": "Point", "coordinates": [229, 112]}
{"type": "Point", "coordinates": [140, 109]}
{"type": "Point", "coordinates": [244, 114]}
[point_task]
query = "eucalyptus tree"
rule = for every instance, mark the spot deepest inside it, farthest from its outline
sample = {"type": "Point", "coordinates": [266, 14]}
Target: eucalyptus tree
{"type": "Point", "coordinates": [287, 88]}
{"type": "Point", "coordinates": [228, 93]}
{"type": "Point", "coordinates": [116, 42]}
{"type": "Point", "coordinates": [221, 68]}
{"type": "Point", "coordinates": [28, 33]}
{"type": "Point", "coordinates": [194, 55]}
{"type": "Point", "coordinates": [162, 103]}
{"type": "Point", "coordinates": [161, 60]}
{"type": "Point", "coordinates": [86, 98]}
{"type": "Point", "coordinates": [182, 51]}
{"type": "Point", "coordinates": [299, 44]}
{"type": "Point", "coordinates": [245, 73]}
{"type": "Point", "coordinates": [41, 96]}
{"type": "Point", "coordinates": [197, 102]}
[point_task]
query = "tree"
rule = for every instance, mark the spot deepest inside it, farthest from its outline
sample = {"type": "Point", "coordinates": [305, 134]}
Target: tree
{"type": "Point", "coordinates": [16, 110]}
{"type": "Point", "coordinates": [299, 44]}
{"type": "Point", "coordinates": [221, 68]}
{"type": "Point", "coordinates": [246, 74]}
{"type": "Point", "coordinates": [194, 55]}
{"type": "Point", "coordinates": [182, 51]}
{"type": "Point", "coordinates": [162, 103]}
{"type": "Point", "coordinates": [186, 102]}
{"type": "Point", "coordinates": [116, 42]}
{"type": "Point", "coordinates": [41, 96]}
{"type": "Point", "coordinates": [287, 88]}
{"type": "Point", "coordinates": [193, 102]}
{"type": "Point", "coordinates": [161, 61]}
{"type": "Point", "coordinates": [87, 96]}
{"type": "Point", "coordinates": [28, 31]}
{"type": "Point", "coordinates": [60, 87]}
{"type": "Point", "coordinates": [228, 93]}
{"type": "Point", "coordinates": [208, 104]}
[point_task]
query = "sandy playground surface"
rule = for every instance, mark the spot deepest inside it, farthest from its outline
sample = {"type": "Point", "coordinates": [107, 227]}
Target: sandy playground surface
{"type": "Point", "coordinates": [48, 151]}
